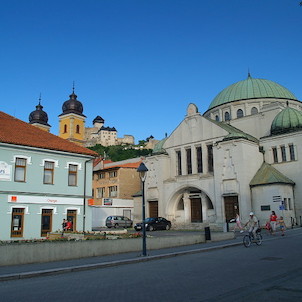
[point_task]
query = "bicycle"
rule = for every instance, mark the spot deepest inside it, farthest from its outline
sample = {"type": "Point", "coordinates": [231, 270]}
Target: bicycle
{"type": "Point", "coordinates": [249, 238]}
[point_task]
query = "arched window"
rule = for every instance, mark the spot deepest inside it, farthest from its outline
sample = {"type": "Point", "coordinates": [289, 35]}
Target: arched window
{"type": "Point", "coordinates": [227, 116]}
{"type": "Point", "coordinates": [239, 113]}
{"type": "Point", "coordinates": [254, 110]}
{"type": "Point", "coordinates": [217, 118]}
{"type": "Point", "coordinates": [65, 128]}
{"type": "Point", "coordinates": [78, 129]}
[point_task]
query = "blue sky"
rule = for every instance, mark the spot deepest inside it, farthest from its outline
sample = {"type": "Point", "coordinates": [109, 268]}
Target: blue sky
{"type": "Point", "coordinates": [139, 63]}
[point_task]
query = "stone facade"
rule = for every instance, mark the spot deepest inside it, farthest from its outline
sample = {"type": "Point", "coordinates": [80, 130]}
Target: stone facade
{"type": "Point", "coordinates": [201, 174]}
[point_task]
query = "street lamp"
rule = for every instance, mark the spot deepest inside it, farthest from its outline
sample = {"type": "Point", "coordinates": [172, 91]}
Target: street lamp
{"type": "Point", "coordinates": [142, 170]}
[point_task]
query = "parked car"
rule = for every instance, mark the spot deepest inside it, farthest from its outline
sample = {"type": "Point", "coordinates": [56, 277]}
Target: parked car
{"type": "Point", "coordinates": [154, 223]}
{"type": "Point", "coordinates": [118, 221]}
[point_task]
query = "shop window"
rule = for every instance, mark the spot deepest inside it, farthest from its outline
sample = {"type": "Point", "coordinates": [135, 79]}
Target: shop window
{"type": "Point", "coordinates": [72, 217]}
{"type": "Point", "coordinates": [46, 222]}
{"type": "Point", "coordinates": [72, 175]}
{"type": "Point", "coordinates": [20, 169]}
{"type": "Point", "coordinates": [17, 222]}
{"type": "Point", "coordinates": [48, 172]}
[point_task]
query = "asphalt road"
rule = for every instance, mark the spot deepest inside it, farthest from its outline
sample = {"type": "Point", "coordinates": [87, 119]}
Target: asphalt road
{"type": "Point", "coordinates": [271, 272]}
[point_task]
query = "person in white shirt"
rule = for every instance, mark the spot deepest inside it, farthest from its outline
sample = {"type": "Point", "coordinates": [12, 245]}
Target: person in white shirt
{"type": "Point", "coordinates": [252, 224]}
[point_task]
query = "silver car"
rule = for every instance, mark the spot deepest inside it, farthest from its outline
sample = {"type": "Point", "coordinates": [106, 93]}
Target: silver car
{"type": "Point", "coordinates": [118, 221]}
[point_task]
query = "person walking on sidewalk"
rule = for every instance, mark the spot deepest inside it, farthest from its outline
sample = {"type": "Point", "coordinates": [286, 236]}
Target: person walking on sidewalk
{"type": "Point", "coordinates": [273, 221]}
{"type": "Point", "coordinates": [281, 223]}
{"type": "Point", "coordinates": [238, 223]}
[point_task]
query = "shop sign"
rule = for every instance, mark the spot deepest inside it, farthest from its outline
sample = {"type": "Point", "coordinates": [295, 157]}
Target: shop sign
{"type": "Point", "coordinates": [5, 171]}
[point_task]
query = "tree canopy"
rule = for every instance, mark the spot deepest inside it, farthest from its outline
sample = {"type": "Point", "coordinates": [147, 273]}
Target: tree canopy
{"type": "Point", "coordinates": [117, 153]}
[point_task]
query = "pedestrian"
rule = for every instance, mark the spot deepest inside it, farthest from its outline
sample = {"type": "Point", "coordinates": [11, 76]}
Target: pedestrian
{"type": "Point", "coordinates": [64, 225]}
{"type": "Point", "coordinates": [273, 220]}
{"type": "Point", "coordinates": [282, 225]}
{"type": "Point", "coordinates": [238, 223]}
{"type": "Point", "coordinates": [69, 225]}
{"type": "Point", "coordinates": [268, 227]}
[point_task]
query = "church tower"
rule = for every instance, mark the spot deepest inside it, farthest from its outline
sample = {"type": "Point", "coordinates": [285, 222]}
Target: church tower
{"type": "Point", "coordinates": [39, 118]}
{"type": "Point", "coordinates": [72, 120]}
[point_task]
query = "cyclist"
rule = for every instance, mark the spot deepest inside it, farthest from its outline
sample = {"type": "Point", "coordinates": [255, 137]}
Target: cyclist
{"type": "Point", "coordinates": [253, 225]}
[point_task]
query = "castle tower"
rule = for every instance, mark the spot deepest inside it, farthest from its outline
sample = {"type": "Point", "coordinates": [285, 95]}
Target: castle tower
{"type": "Point", "coordinates": [39, 118]}
{"type": "Point", "coordinates": [72, 120]}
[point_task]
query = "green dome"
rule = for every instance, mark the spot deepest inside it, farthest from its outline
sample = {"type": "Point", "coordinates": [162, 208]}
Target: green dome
{"type": "Point", "coordinates": [251, 89]}
{"type": "Point", "coordinates": [287, 120]}
{"type": "Point", "coordinates": [158, 148]}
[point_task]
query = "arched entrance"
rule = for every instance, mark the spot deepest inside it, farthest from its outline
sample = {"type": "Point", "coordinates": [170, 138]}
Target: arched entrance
{"type": "Point", "coordinates": [190, 206]}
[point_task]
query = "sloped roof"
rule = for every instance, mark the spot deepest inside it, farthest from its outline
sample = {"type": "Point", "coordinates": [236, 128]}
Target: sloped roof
{"type": "Point", "coordinates": [127, 165]}
{"type": "Point", "coordinates": [269, 175]}
{"type": "Point", "coordinates": [16, 132]}
{"type": "Point", "coordinates": [131, 163]}
{"type": "Point", "coordinates": [158, 148]}
{"type": "Point", "coordinates": [234, 133]}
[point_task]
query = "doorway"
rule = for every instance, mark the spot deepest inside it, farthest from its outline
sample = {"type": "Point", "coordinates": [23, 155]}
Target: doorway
{"type": "Point", "coordinates": [153, 208]}
{"type": "Point", "coordinates": [231, 207]}
{"type": "Point", "coordinates": [196, 210]}
{"type": "Point", "coordinates": [46, 222]}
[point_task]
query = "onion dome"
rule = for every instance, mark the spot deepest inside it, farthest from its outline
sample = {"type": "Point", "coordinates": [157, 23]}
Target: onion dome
{"type": "Point", "coordinates": [72, 105]}
{"type": "Point", "coordinates": [39, 116]}
{"type": "Point", "coordinates": [252, 89]}
{"type": "Point", "coordinates": [288, 120]}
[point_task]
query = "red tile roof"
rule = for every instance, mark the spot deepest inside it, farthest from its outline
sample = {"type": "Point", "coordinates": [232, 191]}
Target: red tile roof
{"type": "Point", "coordinates": [127, 165]}
{"type": "Point", "coordinates": [17, 132]}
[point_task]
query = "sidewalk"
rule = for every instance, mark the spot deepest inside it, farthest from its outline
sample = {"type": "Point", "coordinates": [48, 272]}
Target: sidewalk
{"type": "Point", "coordinates": [59, 267]}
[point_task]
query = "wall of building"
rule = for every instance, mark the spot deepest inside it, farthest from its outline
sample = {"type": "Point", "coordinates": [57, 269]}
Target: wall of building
{"type": "Point", "coordinates": [33, 195]}
{"type": "Point", "coordinates": [290, 168]}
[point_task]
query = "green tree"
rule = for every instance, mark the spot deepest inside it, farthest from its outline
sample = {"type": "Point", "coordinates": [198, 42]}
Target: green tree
{"type": "Point", "coordinates": [117, 153]}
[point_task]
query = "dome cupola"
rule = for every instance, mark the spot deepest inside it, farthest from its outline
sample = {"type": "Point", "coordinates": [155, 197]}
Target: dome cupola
{"type": "Point", "coordinates": [288, 120]}
{"type": "Point", "coordinates": [72, 105]}
{"type": "Point", "coordinates": [251, 89]}
{"type": "Point", "coordinates": [39, 116]}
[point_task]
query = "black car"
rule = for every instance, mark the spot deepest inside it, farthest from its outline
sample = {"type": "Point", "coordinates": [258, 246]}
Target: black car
{"type": "Point", "coordinates": [154, 223]}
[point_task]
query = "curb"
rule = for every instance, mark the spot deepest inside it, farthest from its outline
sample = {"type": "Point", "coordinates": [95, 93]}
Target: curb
{"type": "Point", "coordinates": [85, 267]}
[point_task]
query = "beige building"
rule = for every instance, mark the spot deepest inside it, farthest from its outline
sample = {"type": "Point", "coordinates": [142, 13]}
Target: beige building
{"type": "Point", "coordinates": [114, 184]}
{"type": "Point", "coordinates": [241, 155]}
{"type": "Point", "coordinates": [115, 180]}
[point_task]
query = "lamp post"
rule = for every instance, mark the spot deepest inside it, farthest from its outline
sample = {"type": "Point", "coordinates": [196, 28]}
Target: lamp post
{"type": "Point", "coordinates": [142, 170]}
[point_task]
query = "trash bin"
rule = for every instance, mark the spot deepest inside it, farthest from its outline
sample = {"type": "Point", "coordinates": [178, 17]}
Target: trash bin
{"type": "Point", "coordinates": [207, 233]}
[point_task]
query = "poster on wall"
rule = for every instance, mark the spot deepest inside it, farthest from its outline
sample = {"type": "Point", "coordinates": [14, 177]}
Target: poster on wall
{"type": "Point", "coordinates": [107, 201]}
{"type": "Point", "coordinates": [5, 171]}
